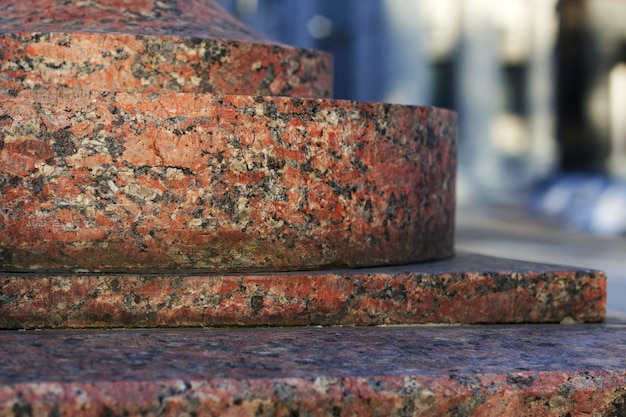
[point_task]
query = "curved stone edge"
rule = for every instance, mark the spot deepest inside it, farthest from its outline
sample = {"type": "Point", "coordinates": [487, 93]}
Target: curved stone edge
{"type": "Point", "coordinates": [467, 289]}
{"type": "Point", "coordinates": [139, 63]}
{"type": "Point", "coordinates": [164, 181]}
{"type": "Point", "coordinates": [185, 18]}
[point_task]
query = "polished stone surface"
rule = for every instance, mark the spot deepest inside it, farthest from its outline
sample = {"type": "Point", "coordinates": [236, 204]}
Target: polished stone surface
{"type": "Point", "coordinates": [119, 181]}
{"type": "Point", "coordinates": [465, 289]}
{"type": "Point", "coordinates": [522, 370]}
{"type": "Point", "coordinates": [150, 45]}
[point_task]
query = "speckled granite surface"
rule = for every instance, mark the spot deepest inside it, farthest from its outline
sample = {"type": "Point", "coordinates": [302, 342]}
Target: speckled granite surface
{"type": "Point", "coordinates": [116, 181]}
{"type": "Point", "coordinates": [135, 177]}
{"type": "Point", "coordinates": [538, 370]}
{"type": "Point", "coordinates": [465, 289]}
{"type": "Point", "coordinates": [186, 18]}
{"type": "Point", "coordinates": [149, 45]}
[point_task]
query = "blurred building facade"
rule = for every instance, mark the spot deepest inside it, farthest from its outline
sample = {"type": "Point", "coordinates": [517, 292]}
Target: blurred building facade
{"type": "Point", "coordinates": [539, 85]}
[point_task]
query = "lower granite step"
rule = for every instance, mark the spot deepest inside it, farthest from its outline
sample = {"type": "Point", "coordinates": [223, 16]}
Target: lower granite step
{"type": "Point", "coordinates": [465, 289]}
{"type": "Point", "coordinates": [520, 370]}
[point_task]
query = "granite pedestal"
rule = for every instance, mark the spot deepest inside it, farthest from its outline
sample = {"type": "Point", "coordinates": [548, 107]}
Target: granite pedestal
{"type": "Point", "coordinates": [162, 165]}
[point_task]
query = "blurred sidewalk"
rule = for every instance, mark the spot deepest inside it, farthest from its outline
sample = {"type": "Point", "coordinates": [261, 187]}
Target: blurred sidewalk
{"type": "Point", "coordinates": [514, 233]}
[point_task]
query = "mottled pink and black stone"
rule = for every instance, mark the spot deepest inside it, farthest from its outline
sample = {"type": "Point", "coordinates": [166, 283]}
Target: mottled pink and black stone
{"type": "Point", "coordinates": [149, 45]}
{"type": "Point", "coordinates": [473, 371]}
{"type": "Point", "coordinates": [466, 289]}
{"type": "Point", "coordinates": [110, 181]}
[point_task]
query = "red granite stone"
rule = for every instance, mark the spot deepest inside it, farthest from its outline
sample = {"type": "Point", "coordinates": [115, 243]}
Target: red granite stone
{"type": "Point", "coordinates": [117, 181]}
{"type": "Point", "coordinates": [465, 289]}
{"type": "Point", "coordinates": [481, 371]}
{"type": "Point", "coordinates": [150, 45]}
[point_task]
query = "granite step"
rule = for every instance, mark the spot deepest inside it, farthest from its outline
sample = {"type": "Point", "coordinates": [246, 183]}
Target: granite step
{"type": "Point", "coordinates": [481, 370]}
{"type": "Point", "coordinates": [466, 289]}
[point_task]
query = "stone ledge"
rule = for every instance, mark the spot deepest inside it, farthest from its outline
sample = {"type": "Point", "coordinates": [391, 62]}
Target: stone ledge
{"type": "Point", "coordinates": [522, 370]}
{"type": "Point", "coordinates": [465, 289]}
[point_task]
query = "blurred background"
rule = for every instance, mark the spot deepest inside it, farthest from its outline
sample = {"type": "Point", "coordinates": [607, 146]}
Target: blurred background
{"type": "Point", "coordinates": [540, 89]}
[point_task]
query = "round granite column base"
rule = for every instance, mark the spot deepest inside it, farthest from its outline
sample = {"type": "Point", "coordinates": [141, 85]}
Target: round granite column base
{"type": "Point", "coordinates": [141, 63]}
{"type": "Point", "coordinates": [165, 181]}
{"type": "Point", "coordinates": [150, 45]}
